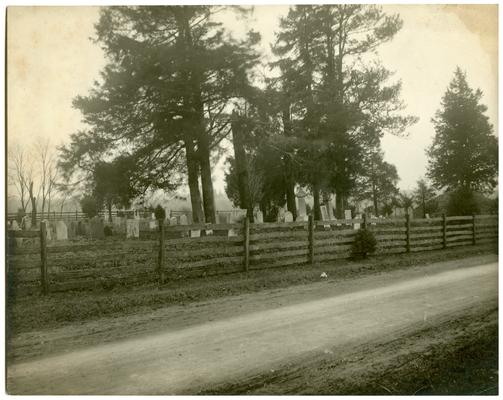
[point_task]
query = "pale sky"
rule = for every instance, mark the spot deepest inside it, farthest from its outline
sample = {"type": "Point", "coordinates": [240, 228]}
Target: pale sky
{"type": "Point", "coordinates": [50, 60]}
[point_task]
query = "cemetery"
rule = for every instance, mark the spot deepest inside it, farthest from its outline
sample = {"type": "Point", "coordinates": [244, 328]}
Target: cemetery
{"type": "Point", "coordinates": [256, 199]}
{"type": "Point", "coordinates": [80, 257]}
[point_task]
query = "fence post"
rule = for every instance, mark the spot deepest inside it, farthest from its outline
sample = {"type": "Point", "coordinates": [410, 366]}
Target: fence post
{"type": "Point", "coordinates": [160, 261]}
{"type": "Point", "coordinates": [246, 243]}
{"type": "Point", "coordinates": [474, 241]}
{"type": "Point", "coordinates": [444, 231]}
{"type": "Point", "coordinates": [76, 215]}
{"type": "Point", "coordinates": [364, 223]}
{"type": "Point", "coordinates": [43, 257]}
{"type": "Point", "coordinates": [311, 238]}
{"type": "Point", "coordinates": [407, 233]}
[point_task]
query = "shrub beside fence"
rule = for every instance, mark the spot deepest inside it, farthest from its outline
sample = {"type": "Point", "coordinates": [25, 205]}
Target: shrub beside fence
{"type": "Point", "coordinates": [201, 250]}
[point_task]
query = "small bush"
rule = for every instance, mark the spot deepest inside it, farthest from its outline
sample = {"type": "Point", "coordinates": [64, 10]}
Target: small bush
{"type": "Point", "coordinates": [364, 244]}
{"type": "Point", "coordinates": [108, 231]}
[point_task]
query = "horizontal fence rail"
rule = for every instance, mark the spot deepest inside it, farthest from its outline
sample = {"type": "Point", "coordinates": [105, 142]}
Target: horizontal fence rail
{"type": "Point", "coordinates": [35, 263]}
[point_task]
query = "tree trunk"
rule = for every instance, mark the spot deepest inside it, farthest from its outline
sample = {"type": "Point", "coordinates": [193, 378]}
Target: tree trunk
{"type": "Point", "coordinates": [289, 181]}
{"type": "Point", "coordinates": [193, 178]}
{"type": "Point", "coordinates": [33, 207]}
{"type": "Point", "coordinates": [339, 204]}
{"type": "Point", "coordinates": [241, 167]}
{"type": "Point", "coordinates": [374, 199]}
{"type": "Point", "coordinates": [109, 206]}
{"type": "Point", "coordinates": [207, 183]}
{"type": "Point", "coordinates": [316, 202]}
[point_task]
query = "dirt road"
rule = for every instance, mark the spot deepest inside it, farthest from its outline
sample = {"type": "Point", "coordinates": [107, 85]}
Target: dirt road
{"type": "Point", "coordinates": [228, 349]}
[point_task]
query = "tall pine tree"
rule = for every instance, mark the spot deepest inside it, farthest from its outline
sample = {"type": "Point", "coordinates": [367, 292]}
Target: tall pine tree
{"type": "Point", "coordinates": [464, 153]}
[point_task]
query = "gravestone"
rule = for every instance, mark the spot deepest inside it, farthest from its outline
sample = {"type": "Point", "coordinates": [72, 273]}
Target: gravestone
{"type": "Point", "coordinates": [61, 231]}
{"type": "Point", "coordinates": [48, 230]}
{"type": "Point", "coordinates": [15, 226]}
{"type": "Point", "coordinates": [347, 214]}
{"type": "Point", "coordinates": [331, 215]}
{"type": "Point", "coordinates": [132, 228]}
{"type": "Point", "coordinates": [195, 233]}
{"type": "Point", "coordinates": [97, 228]}
{"type": "Point", "coordinates": [183, 220]}
{"type": "Point", "coordinates": [281, 215]}
{"type": "Point", "coordinates": [324, 213]}
{"type": "Point", "coordinates": [259, 217]}
{"type": "Point", "coordinates": [356, 225]}
{"type": "Point", "coordinates": [301, 202]}
{"type": "Point", "coordinates": [288, 216]}
{"type": "Point", "coordinates": [26, 223]}
{"type": "Point", "coordinates": [152, 225]}
{"type": "Point", "coordinates": [427, 216]}
{"type": "Point", "coordinates": [301, 206]}
{"type": "Point", "coordinates": [223, 218]}
{"type": "Point", "coordinates": [173, 221]}
{"type": "Point", "coordinates": [302, 218]}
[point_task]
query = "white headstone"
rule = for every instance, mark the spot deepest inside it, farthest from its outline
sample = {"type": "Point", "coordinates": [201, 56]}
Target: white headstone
{"type": "Point", "coordinates": [48, 230]}
{"type": "Point", "coordinates": [15, 226]}
{"type": "Point", "coordinates": [331, 215]}
{"type": "Point", "coordinates": [427, 216]}
{"type": "Point", "coordinates": [324, 213]}
{"type": "Point", "coordinates": [301, 218]}
{"type": "Point", "coordinates": [347, 214]}
{"type": "Point", "coordinates": [281, 215]}
{"type": "Point", "coordinates": [132, 228]}
{"type": "Point", "coordinates": [61, 231]}
{"type": "Point", "coordinates": [183, 219]}
{"type": "Point", "coordinates": [259, 217]}
{"type": "Point", "coordinates": [152, 225]}
{"type": "Point", "coordinates": [173, 221]}
{"type": "Point", "coordinates": [288, 216]}
{"type": "Point", "coordinates": [301, 206]}
{"type": "Point", "coordinates": [356, 225]}
{"type": "Point", "coordinates": [195, 233]}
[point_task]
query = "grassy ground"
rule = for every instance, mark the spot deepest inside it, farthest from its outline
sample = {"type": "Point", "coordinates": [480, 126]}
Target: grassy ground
{"type": "Point", "coordinates": [36, 312]}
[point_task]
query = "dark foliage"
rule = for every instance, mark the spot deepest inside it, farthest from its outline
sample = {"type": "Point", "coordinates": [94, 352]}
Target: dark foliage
{"type": "Point", "coordinates": [364, 244]}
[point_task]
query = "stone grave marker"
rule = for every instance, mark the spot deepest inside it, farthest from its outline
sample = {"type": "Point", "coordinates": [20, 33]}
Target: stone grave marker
{"type": "Point", "coordinates": [132, 228]}
{"type": "Point", "coordinates": [288, 216]}
{"type": "Point", "coordinates": [48, 230]}
{"type": "Point", "coordinates": [324, 215]}
{"type": "Point", "coordinates": [61, 231]}
{"type": "Point", "coordinates": [195, 233]}
{"type": "Point", "coordinates": [356, 225]}
{"type": "Point", "coordinates": [97, 228]}
{"type": "Point", "coordinates": [15, 226]}
{"type": "Point", "coordinates": [183, 220]}
{"type": "Point", "coordinates": [223, 218]}
{"type": "Point", "coordinates": [259, 217]}
{"type": "Point", "coordinates": [281, 215]}
{"type": "Point", "coordinates": [173, 221]}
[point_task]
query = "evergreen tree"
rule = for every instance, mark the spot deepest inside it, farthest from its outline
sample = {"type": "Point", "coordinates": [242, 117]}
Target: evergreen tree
{"type": "Point", "coordinates": [171, 76]}
{"type": "Point", "coordinates": [423, 194]}
{"type": "Point", "coordinates": [378, 183]}
{"type": "Point", "coordinates": [464, 153]}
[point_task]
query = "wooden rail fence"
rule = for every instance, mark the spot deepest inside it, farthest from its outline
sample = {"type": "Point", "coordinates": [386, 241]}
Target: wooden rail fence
{"type": "Point", "coordinates": [199, 250]}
